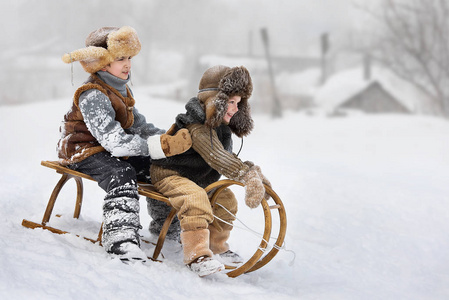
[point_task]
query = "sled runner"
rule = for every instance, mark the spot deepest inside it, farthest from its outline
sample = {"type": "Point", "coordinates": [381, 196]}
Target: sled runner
{"type": "Point", "coordinates": [260, 258]}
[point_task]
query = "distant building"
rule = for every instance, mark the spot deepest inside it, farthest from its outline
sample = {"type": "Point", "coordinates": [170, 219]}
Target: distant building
{"type": "Point", "coordinates": [36, 73]}
{"type": "Point", "coordinates": [383, 92]}
{"type": "Point", "coordinates": [33, 78]}
{"type": "Point", "coordinates": [298, 88]}
{"type": "Point", "coordinates": [374, 99]}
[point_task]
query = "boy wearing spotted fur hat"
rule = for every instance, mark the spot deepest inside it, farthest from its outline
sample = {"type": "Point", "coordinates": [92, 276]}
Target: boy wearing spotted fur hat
{"type": "Point", "coordinates": [220, 109]}
{"type": "Point", "coordinates": [104, 135]}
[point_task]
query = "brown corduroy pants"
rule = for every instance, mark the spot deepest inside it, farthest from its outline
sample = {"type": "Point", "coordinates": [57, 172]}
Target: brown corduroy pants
{"type": "Point", "coordinates": [196, 214]}
{"type": "Point", "coordinates": [192, 203]}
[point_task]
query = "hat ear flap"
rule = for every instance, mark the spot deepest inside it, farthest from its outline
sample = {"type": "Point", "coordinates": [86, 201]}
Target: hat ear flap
{"type": "Point", "coordinates": [210, 110]}
{"type": "Point", "coordinates": [85, 54]}
{"type": "Point", "coordinates": [216, 108]}
{"type": "Point", "coordinates": [241, 123]}
{"type": "Point", "coordinates": [91, 58]}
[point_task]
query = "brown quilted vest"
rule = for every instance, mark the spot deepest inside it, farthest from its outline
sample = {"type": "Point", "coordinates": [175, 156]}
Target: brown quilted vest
{"type": "Point", "coordinates": [77, 143]}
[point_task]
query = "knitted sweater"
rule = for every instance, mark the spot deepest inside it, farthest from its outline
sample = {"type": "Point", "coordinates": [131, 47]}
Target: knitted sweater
{"type": "Point", "coordinates": [210, 156]}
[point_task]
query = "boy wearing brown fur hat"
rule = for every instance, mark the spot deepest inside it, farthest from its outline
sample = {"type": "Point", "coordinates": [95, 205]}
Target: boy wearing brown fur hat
{"type": "Point", "coordinates": [220, 109]}
{"type": "Point", "coordinates": [103, 135]}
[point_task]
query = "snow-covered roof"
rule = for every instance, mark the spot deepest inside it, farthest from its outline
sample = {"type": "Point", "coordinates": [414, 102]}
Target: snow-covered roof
{"type": "Point", "coordinates": [346, 84]}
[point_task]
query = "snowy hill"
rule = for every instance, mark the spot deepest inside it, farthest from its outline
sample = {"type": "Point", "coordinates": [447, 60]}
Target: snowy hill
{"type": "Point", "coordinates": [366, 200]}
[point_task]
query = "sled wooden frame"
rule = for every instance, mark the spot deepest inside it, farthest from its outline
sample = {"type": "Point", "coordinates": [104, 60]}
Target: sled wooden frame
{"type": "Point", "coordinates": [254, 263]}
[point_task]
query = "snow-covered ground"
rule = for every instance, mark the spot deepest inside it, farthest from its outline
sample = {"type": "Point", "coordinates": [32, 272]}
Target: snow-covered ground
{"type": "Point", "coordinates": [367, 201]}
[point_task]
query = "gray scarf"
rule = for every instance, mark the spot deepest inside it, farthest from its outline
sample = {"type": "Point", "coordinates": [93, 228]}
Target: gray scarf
{"type": "Point", "coordinates": [117, 83]}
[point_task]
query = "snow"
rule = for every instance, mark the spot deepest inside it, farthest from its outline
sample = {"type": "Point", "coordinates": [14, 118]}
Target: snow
{"type": "Point", "coordinates": [300, 83]}
{"type": "Point", "coordinates": [253, 64]}
{"type": "Point", "coordinates": [366, 200]}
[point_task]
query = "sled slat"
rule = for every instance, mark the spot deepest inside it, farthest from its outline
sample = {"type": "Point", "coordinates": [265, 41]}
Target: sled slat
{"type": "Point", "coordinates": [33, 225]}
{"type": "Point", "coordinates": [144, 189]}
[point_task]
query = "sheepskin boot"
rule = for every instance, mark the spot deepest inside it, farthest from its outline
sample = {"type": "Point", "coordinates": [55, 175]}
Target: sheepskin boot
{"type": "Point", "coordinates": [219, 238]}
{"type": "Point", "coordinates": [197, 255]}
{"type": "Point", "coordinates": [220, 247]}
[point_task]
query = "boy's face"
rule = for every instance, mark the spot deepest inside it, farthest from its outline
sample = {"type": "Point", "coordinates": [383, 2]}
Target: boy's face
{"type": "Point", "coordinates": [232, 108]}
{"type": "Point", "coordinates": [120, 67]}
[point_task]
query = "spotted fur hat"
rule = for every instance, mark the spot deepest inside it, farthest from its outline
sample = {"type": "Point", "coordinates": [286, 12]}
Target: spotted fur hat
{"type": "Point", "coordinates": [103, 46]}
{"type": "Point", "coordinates": [216, 86]}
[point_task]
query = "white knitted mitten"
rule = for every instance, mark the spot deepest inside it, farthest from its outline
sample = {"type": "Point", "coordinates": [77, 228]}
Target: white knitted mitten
{"type": "Point", "coordinates": [254, 189]}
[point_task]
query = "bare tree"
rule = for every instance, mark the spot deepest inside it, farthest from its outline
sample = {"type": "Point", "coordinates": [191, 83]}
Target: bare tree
{"type": "Point", "coordinates": [413, 42]}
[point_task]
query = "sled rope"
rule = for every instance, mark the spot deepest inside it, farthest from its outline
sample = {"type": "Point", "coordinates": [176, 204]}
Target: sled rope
{"type": "Point", "coordinates": [258, 234]}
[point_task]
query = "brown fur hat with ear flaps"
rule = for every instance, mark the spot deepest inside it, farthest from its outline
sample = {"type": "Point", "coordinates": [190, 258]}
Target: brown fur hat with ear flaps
{"type": "Point", "coordinates": [217, 85]}
{"type": "Point", "coordinates": [103, 46]}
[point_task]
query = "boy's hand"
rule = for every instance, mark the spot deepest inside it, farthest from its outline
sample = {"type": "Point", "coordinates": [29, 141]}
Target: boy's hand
{"type": "Point", "coordinates": [264, 181]}
{"type": "Point", "coordinates": [176, 144]}
{"type": "Point", "coordinates": [254, 189]}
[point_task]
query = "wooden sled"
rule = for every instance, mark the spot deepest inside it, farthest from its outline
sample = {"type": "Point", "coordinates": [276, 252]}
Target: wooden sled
{"type": "Point", "coordinates": [256, 261]}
